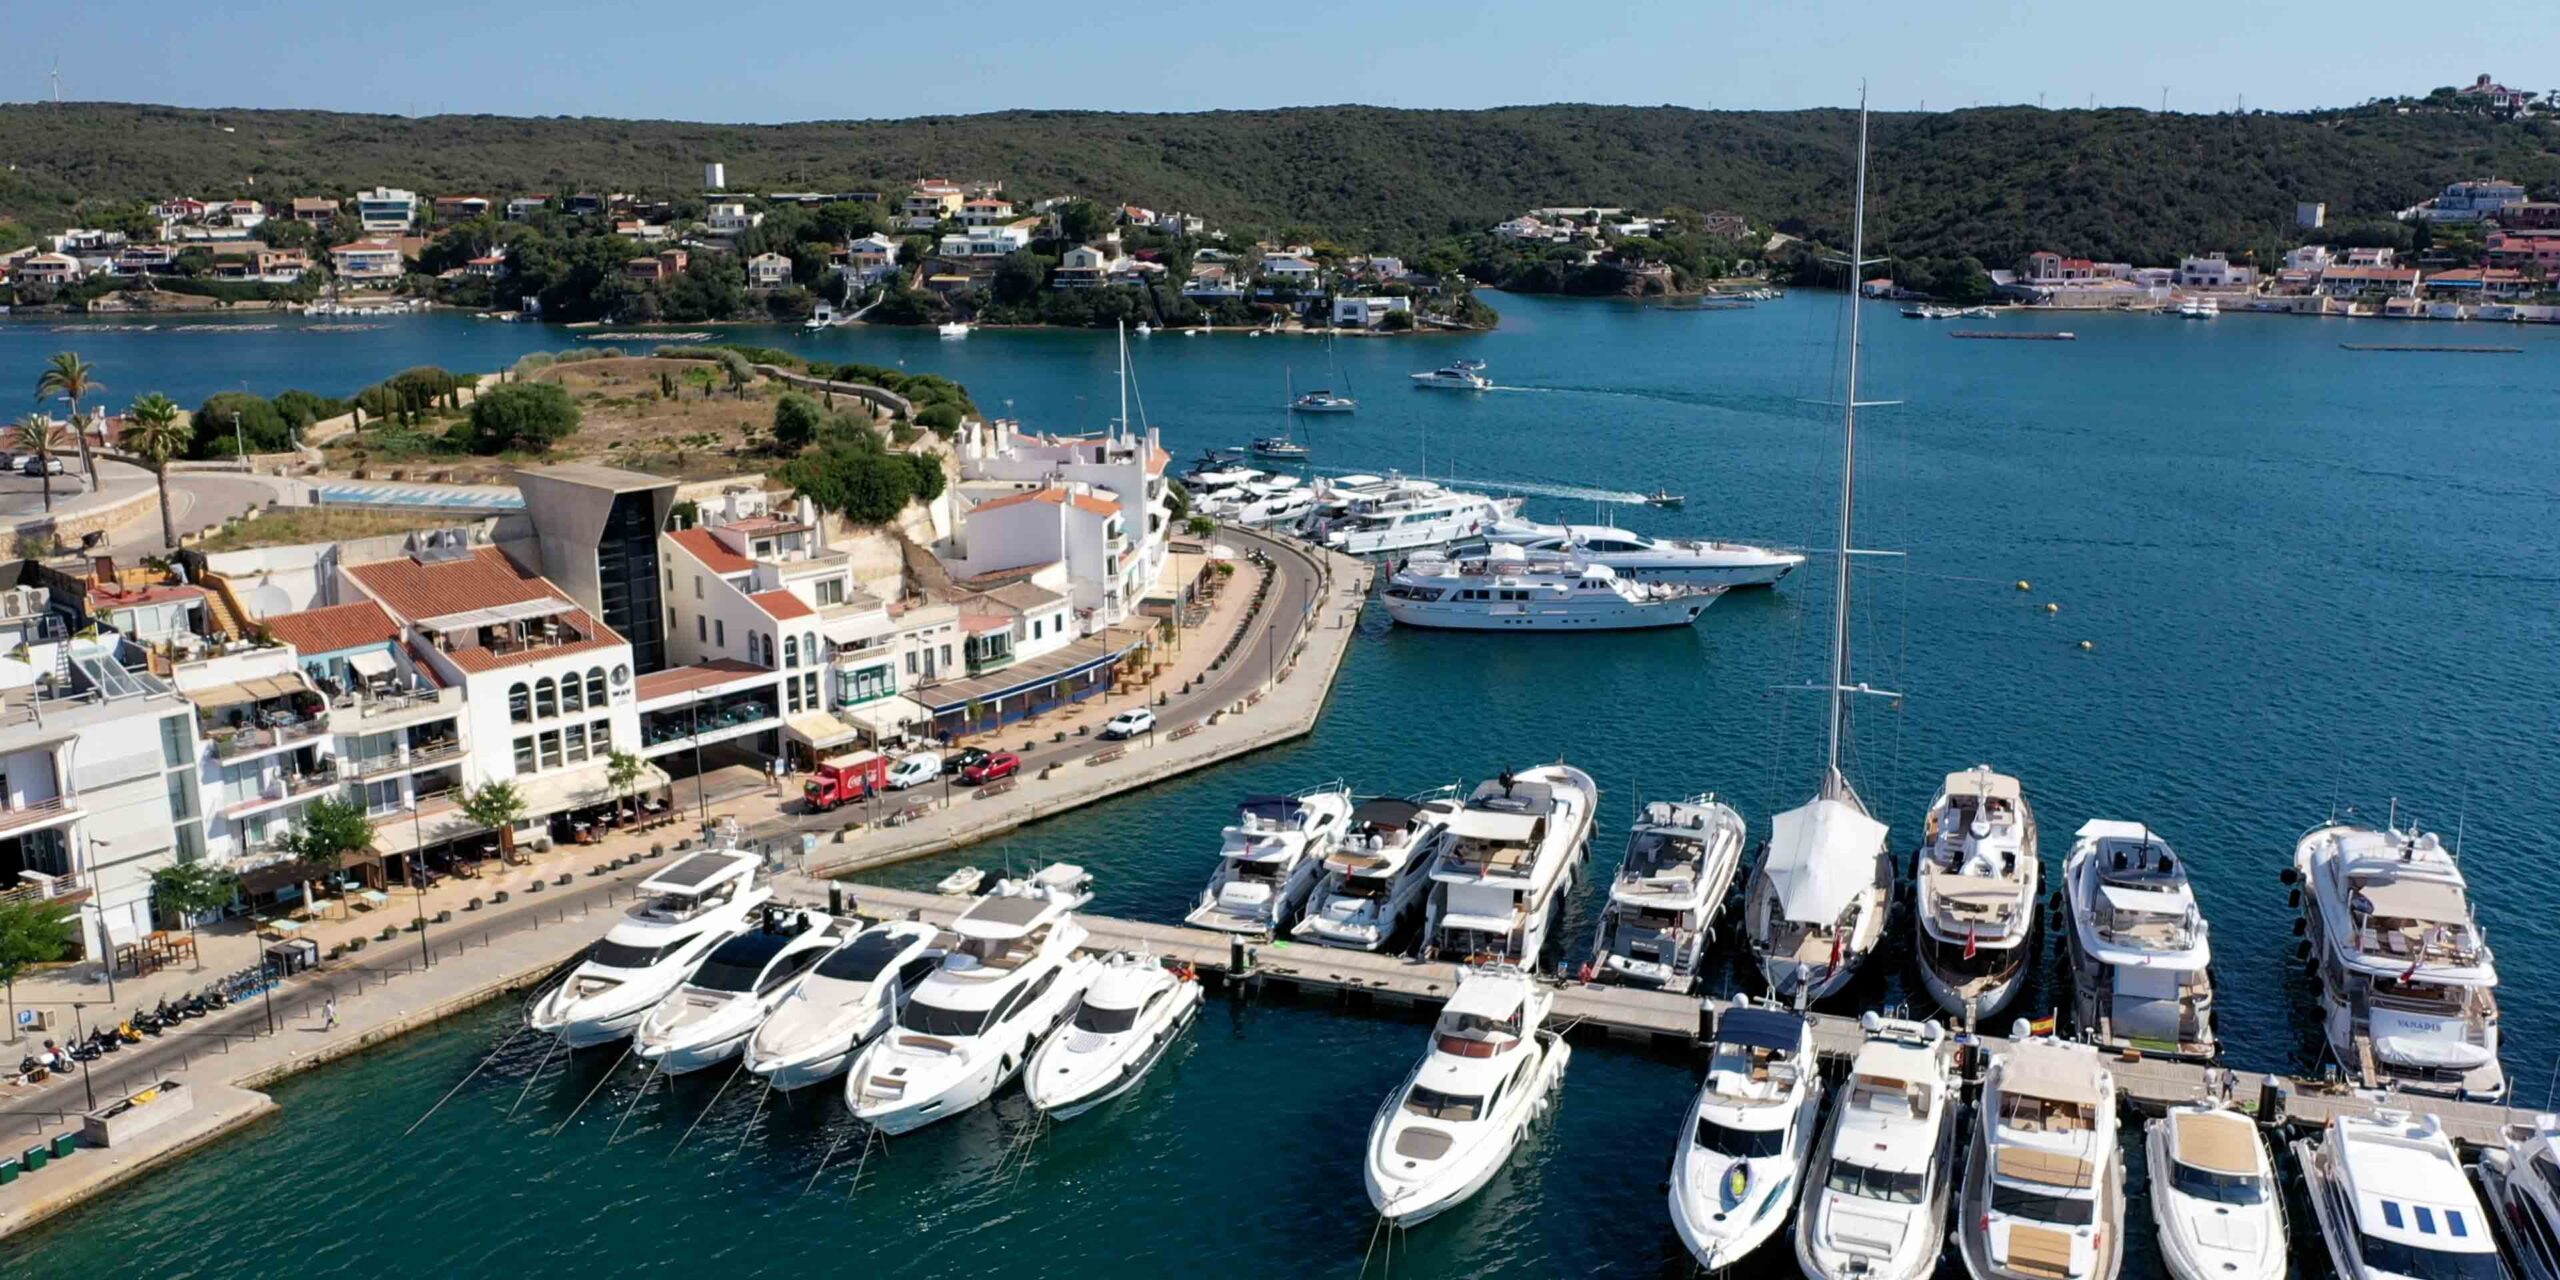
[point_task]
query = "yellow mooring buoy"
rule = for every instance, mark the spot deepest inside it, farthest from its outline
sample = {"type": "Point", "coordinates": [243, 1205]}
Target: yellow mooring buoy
{"type": "Point", "coordinates": [2088, 645]}
{"type": "Point", "coordinates": [2024, 585]}
{"type": "Point", "coordinates": [2053, 608]}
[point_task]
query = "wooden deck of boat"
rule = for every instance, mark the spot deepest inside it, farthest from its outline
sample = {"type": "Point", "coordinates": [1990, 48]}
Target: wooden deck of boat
{"type": "Point", "coordinates": [2146, 1084]}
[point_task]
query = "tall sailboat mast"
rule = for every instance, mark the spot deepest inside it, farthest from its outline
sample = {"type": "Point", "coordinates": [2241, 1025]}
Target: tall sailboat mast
{"type": "Point", "coordinates": [1833, 783]}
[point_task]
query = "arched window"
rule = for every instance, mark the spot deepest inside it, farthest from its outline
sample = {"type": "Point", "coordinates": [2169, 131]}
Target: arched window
{"type": "Point", "coordinates": [520, 703]}
{"type": "Point", "coordinates": [546, 698]}
{"type": "Point", "coordinates": [809, 646]}
{"type": "Point", "coordinates": [791, 651]}
{"type": "Point", "coordinates": [595, 687]}
{"type": "Point", "coordinates": [571, 698]}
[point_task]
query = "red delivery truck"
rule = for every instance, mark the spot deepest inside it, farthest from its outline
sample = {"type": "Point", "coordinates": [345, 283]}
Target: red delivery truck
{"type": "Point", "coordinates": [847, 779]}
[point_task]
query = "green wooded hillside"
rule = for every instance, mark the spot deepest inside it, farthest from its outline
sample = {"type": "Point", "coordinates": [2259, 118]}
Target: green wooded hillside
{"type": "Point", "coordinates": [1992, 183]}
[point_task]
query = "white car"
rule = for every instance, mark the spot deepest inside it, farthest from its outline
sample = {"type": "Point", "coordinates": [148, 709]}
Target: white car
{"type": "Point", "coordinates": [914, 770]}
{"type": "Point", "coordinates": [31, 464]}
{"type": "Point", "coordinates": [1129, 724]}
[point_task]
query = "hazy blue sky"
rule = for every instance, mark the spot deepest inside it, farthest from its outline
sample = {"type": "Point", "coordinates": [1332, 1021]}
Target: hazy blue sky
{"type": "Point", "coordinates": [804, 59]}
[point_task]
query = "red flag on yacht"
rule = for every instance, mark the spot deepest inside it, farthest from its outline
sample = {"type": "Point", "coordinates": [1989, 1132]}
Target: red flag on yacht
{"type": "Point", "coordinates": [1836, 941]}
{"type": "Point", "coordinates": [1968, 942]}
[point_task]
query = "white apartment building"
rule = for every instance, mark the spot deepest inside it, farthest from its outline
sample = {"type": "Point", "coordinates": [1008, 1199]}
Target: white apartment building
{"type": "Point", "coordinates": [1096, 503]}
{"type": "Point", "coordinates": [984, 242]}
{"type": "Point", "coordinates": [267, 748]}
{"type": "Point", "coordinates": [1367, 313]}
{"type": "Point", "coordinates": [729, 217]}
{"type": "Point", "coordinates": [2214, 271]}
{"type": "Point", "coordinates": [387, 209]}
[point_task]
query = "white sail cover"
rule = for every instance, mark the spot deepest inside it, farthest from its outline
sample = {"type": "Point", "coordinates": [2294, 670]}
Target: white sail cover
{"type": "Point", "coordinates": [1821, 855]}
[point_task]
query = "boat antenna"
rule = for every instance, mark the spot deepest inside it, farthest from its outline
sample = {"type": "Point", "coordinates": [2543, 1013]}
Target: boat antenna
{"type": "Point", "coordinates": [1833, 784]}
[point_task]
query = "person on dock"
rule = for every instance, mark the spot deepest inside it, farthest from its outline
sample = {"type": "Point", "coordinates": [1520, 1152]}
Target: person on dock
{"type": "Point", "coordinates": [329, 1014]}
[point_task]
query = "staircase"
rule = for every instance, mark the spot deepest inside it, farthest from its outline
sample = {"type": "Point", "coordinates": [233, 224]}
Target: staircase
{"type": "Point", "coordinates": [222, 608]}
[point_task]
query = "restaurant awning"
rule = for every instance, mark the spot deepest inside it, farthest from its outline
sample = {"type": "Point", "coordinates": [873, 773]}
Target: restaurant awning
{"type": "Point", "coordinates": [254, 689]}
{"type": "Point", "coordinates": [887, 717]}
{"type": "Point", "coordinates": [549, 793]}
{"type": "Point", "coordinates": [820, 730]}
{"type": "Point", "coordinates": [373, 663]}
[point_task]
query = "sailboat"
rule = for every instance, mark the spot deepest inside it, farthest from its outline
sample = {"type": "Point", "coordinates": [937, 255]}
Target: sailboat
{"type": "Point", "coordinates": [1323, 400]}
{"type": "Point", "coordinates": [1282, 447]}
{"type": "Point", "coordinates": [1818, 900]}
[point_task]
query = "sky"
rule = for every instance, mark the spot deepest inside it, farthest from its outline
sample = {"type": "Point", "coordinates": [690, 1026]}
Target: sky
{"type": "Point", "coordinates": [780, 60]}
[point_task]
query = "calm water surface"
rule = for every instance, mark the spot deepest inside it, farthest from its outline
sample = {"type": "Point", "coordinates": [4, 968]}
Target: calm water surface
{"type": "Point", "coordinates": [2315, 580]}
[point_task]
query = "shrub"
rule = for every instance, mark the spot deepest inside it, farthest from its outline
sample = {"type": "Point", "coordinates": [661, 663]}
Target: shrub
{"type": "Point", "coordinates": [796, 420]}
{"type": "Point", "coordinates": [257, 423]}
{"type": "Point", "coordinates": [928, 481]}
{"type": "Point", "coordinates": [941, 419]}
{"type": "Point", "coordinates": [302, 408]}
{"type": "Point", "coordinates": [522, 416]}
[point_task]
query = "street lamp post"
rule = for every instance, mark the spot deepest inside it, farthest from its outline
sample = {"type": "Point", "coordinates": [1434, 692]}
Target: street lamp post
{"type": "Point", "coordinates": [701, 795]}
{"type": "Point", "coordinates": [106, 952]}
{"type": "Point", "coordinates": [417, 868]}
{"type": "Point", "coordinates": [80, 1029]}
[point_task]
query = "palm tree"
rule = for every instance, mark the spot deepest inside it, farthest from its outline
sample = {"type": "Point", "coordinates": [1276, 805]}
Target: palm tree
{"type": "Point", "coordinates": [72, 378]}
{"type": "Point", "coordinates": [37, 436]}
{"type": "Point", "coordinates": [156, 436]}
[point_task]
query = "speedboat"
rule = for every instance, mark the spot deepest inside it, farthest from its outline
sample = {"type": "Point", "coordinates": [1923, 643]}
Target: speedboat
{"type": "Point", "coordinates": [1132, 1013]}
{"type": "Point", "coordinates": [1377, 875]}
{"type": "Point", "coordinates": [1399, 514]}
{"type": "Point", "coordinates": [1284, 449]}
{"type": "Point", "coordinates": [2139, 945]}
{"type": "Point", "coordinates": [1269, 860]}
{"type": "Point", "coordinates": [2199, 309]}
{"type": "Point", "coordinates": [2521, 1177]}
{"type": "Point", "coordinates": [1681, 856]}
{"type": "Point", "coordinates": [683, 912]}
{"type": "Point", "coordinates": [1875, 1199]}
{"type": "Point", "coordinates": [1742, 1152]}
{"type": "Point", "coordinates": [1323, 401]}
{"type": "Point", "coordinates": [2043, 1188]}
{"type": "Point", "coordinates": [2392, 1201]}
{"type": "Point", "coordinates": [2408, 985]}
{"type": "Point", "coordinates": [961, 883]}
{"type": "Point", "coordinates": [1506, 588]}
{"type": "Point", "coordinates": [970, 1025]}
{"type": "Point", "coordinates": [1457, 1116]}
{"type": "Point", "coordinates": [1977, 878]}
{"type": "Point", "coordinates": [1665, 499]}
{"type": "Point", "coordinates": [1515, 848]}
{"type": "Point", "coordinates": [709, 1019]}
{"type": "Point", "coordinates": [953, 329]}
{"type": "Point", "coordinates": [1683, 560]}
{"type": "Point", "coordinates": [844, 1003]}
{"type": "Point", "coordinates": [2215, 1196]}
{"type": "Point", "coordinates": [1455, 377]}
{"type": "Point", "coordinates": [1064, 883]}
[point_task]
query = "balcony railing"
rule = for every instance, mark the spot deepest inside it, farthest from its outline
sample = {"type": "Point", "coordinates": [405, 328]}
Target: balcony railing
{"type": "Point", "coordinates": [401, 703]}
{"type": "Point", "coordinates": [246, 739]}
{"type": "Point", "coordinates": [36, 812]}
{"type": "Point", "coordinates": [393, 762]}
{"type": "Point", "coordinates": [290, 787]}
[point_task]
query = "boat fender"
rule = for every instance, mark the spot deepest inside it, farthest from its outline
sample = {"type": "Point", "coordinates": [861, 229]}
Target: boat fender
{"type": "Point", "coordinates": [2293, 897]}
{"type": "Point", "coordinates": [2289, 875]}
{"type": "Point", "coordinates": [2302, 949]}
{"type": "Point", "coordinates": [2300, 926]}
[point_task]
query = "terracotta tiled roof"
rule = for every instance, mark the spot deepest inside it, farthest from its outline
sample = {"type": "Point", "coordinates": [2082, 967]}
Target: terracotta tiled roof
{"type": "Point", "coordinates": [484, 579]}
{"type": "Point", "coordinates": [1054, 497]}
{"type": "Point", "coordinates": [783, 604]}
{"type": "Point", "coordinates": [978, 623]}
{"type": "Point", "coordinates": [345, 626]}
{"type": "Point", "coordinates": [699, 544]}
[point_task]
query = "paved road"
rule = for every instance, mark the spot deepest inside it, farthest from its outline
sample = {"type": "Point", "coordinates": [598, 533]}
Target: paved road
{"type": "Point", "coordinates": [1270, 633]}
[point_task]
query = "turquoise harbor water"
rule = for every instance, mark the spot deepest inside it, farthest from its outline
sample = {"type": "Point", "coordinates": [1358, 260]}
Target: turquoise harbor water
{"type": "Point", "coordinates": [2314, 579]}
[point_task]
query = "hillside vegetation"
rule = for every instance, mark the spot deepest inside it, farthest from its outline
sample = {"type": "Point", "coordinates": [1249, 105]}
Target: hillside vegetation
{"type": "Point", "coordinates": [1990, 183]}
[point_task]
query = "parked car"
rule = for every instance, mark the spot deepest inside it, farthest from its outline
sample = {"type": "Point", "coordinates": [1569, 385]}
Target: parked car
{"type": "Point", "coordinates": [914, 770]}
{"type": "Point", "coordinates": [32, 465]}
{"type": "Point", "coordinates": [1129, 724]}
{"type": "Point", "coordinates": [962, 760]}
{"type": "Point", "coordinates": [999, 764]}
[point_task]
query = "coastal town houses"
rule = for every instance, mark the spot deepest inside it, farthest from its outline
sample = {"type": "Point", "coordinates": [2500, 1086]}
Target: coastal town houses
{"type": "Point", "coordinates": [452, 209]}
{"type": "Point", "coordinates": [2471, 200]}
{"type": "Point", "coordinates": [1351, 312]}
{"type": "Point", "coordinates": [267, 751]}
{"type": "Point", "coordinates": [986, 211]}
{"type": "Point", "coordinates": [1087, 267]}
{"type": "Point", "coordinates": [2518, 250]}
{"type": "Point", "coordinates": [387, 209]}
{"type": "Point", "coordinates": [367, 262]}
{"type": "Point", "coordinates": [658, 268]}
{"type": "Point", "coordinates": [2214, 271]}
{"type": "Point", "coordinates": [988, 242]}
{"type": "Point", "coordinates": [400, 734]}
{"type": "Point", "coordinates": [1095, 503]}
{"type": "Point", "coordinates": [869, 260]}
{"type": "Point", "coordinates": [521, 208]}
{"type": "Point", "coordinates": [314, 210]}
{"type": "Point", "coordinates": [730, 217]}
{"type": "Point", "coordinates": [932, 200]}
{"type": "Point", "coordinates": [768, 271]}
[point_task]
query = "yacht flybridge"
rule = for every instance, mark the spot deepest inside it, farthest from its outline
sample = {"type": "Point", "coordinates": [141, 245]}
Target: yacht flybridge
{"type": "Point", "coordinates": [1741, 1155]}
{"type": "Point", "coordinates": [1506, 588]}
{"type": "Point", "coordinates": [2043, 1188]}
{"type": "Point", "coordinates": [1513, 848]}
{"type": "Point", "coordinates": [1681, 856]}
{"type": "Point", "coordinates": [2139, 945]}
{"type": "Point", "coordinates": [709, 1018]}
{"type": "Point", "coordinates": [684, 911]}
{"type": "Point", "coordinates": [1977, 880]}
{"type": "Point", "coordinates": [2408, 984]}
{"type": "Point", "coordinates": [1817, 901]}
{"type": "Point", "coordinates": [970, 1025]}
{"type": "Point", "coordinates": [844, 1003]}
{"type": "Point", "coordinates": [1454, 1120]}
{"type": "Point", "coordinates": [2392, 1201]}
{"type": "Point", "coordinates": [1875, 1195]}
{"type": "Point", "coordinates": [1269, 860]}
{"type": "Point", "coordinates": [1377, 875]}
{"type": "Point", "coordinates": [1689, 562]}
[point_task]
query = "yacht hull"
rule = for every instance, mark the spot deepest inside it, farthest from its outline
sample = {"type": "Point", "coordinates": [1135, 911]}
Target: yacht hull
{"type": "Point", "coordinates": [1086, 1093]}
{"type": "Point", "coordinates": [688, 1058]}
{"type": "Point", "coordinates": [2185, 1257]}
{"type": "Point", "coordinates": [790, 1076]}
{"type": "Point", "coordinates": [1976, 1248]}
{"type": "Point", "coordinates": [1587, 615]}
{"type": "Point", "coordinates": [1697, 1224]}
{"type": "Point", "coordinates": [1991, 994]}
{"type": "Point", "coordinates": [1410, 1204]}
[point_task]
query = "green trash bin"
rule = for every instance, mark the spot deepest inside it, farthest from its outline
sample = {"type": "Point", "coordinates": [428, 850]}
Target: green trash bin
{"type": "Point", "coordinates": [64, 1144]}
{"type": "Point", "coordinates": [34, 1157]}
{"type": "Point", "coordinates": [8, 1172]}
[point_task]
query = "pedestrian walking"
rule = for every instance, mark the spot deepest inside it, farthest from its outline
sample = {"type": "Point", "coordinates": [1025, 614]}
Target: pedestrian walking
{"type": "Point", "coordinates": [329, 1014]}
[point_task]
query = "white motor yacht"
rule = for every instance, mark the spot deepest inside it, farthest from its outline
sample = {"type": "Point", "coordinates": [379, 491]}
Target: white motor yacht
{"type": "Point", "coordinates": [844, 1003]}
{"type": "Point", "coordinates": [1875, 1197]}
{"type": "Point", "coordinates": [1741, 1156]}
{"type": "Point", "coordinates": [1510, 589]}
{"type": "Point", "coordinates": [1455, 377]}
{"type": "Point", "coordinates": [2408, 984]}
{"type": "Point", "coordinates": [1817, 901]}
{"type": "Point", "coordinates": [708, 1020]}
{"type": "Point", "coordinates": [684, 910]}
{"type": "Point", "coordinates": [1686, 561]}
{"type": "Point", "coordinates": [1977, 879]}
{"type": "Point", "coordinates": [2043, 1187]}
{"type": "Point", "coordinates": [1324, 401]}
{"type": "Point", "coordinates": [2215, 1196]}
{"type": "Point", "coordinates": [1064, 883]}
{"type": "Point", "coordinates": [1214, 483]}
{"type": "Point", "coordinates": [2521, 1178]}
{"type": "Point", "coordinates": [1457, 1116]}
{"type": "Point", "coordinates": [1406, 516]}
{"type": "Point", "coordinates": [1515, 847]}
{"type": "Point", "coordinates": [970, 1025]}
{"type": "Point", "coordinates": [2199, 309]}
{"type": "Point", "coordinates": [1377, 875]}
{"type": "Point", "coordinates": [2393, 1203]}
{"type": "Point", "coordinates": [952, 329]}
{"type": "Point", "coordinates": [2139, 945]}
{"type": "Point", "coordinates": [1269, 860]}
{"type": "Point", "coordinates": [1272, 500]}
{"type": "Point", "coordinates": [1681, 857]}
{"type": "Point", "coordinates": [1132, 1013]}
